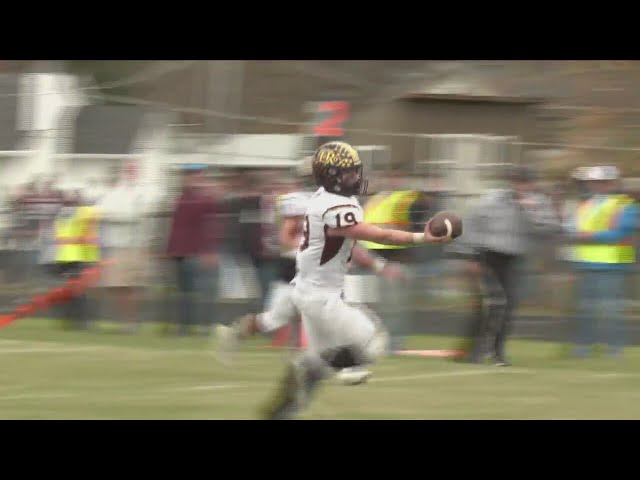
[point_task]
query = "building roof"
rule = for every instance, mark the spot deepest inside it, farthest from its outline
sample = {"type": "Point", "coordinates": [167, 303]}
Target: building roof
{"type": "Point", "coordinates": [107, 129]}
{"type": "Point", "coordinates": [467, 88]}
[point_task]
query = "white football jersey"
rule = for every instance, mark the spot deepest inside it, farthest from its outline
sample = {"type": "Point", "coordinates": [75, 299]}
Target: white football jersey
{"type": "Point", "coordinates": [322, 261]}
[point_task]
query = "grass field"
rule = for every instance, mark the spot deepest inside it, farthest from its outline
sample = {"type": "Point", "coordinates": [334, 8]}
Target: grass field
{"type": "Point", "coordinates": [48, 373]}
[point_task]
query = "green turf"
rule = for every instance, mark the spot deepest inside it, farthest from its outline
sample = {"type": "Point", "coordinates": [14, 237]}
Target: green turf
{"type": "Point", "coordinates": [53, 374]}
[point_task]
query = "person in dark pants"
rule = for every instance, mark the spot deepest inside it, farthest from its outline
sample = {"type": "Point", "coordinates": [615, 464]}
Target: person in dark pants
{"type": "Point", "coordinates": [70, 261]}
{"type": "Point", "coordinates": [499, 232]}
{"type": "Point", "coordinates": [193, 241]}
{"type": "Point", "coordinates": [498, 276]}
{"type": "Point", "coordinates": [75, 312]}
{"type": "Point", "coordinates": [264, 249]}
{"type": "Point", "coordinates": [242, 236]}
{"type": "Point", "coordinates": [602, 231]}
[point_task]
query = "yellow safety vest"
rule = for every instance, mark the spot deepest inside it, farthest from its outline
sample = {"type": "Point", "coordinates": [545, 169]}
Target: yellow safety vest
{"type": "Point", "coordinates": [90, 236]}
{"type": "Point", "coordinates": [68, 232]}
{"type": "Point", "coordinates": [77, 237]}
{"type": "Point", "coordinates": [592, 217]}
{"type": "Point", "coordinates": [389, 210]}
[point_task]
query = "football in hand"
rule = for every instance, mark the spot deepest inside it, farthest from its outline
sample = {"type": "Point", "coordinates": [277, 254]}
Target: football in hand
{"type": "Point", "coordinates": [438, 225]}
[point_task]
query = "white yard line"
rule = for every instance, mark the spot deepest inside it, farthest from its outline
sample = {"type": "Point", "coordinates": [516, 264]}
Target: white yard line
{"type": "Point", "coordinates": [375, 379]}
{"type": "Point", "coordinates": [267, 353]}
{"type": "Point", "coordinates": [36, 396]}
{"type": "Point", "coordinates": [606, 375]}
{"type": "Point", "coordinates": [15, 387]}
{"type": "Point", "coordinates": [453, 373]}
{"type": "Point", "coordinates": [208, 388]}
{"type": "Point", "coordinates": [37, 346]}
{"type": "Point", "coordinates": [8, 351]}
{"type": "Point", "coordinates": [12, 342]}
{"type": "Point", "coordinates": [162, 392]}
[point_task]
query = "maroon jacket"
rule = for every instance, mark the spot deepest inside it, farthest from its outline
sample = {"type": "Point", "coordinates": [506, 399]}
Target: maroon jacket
{"type": "Point", "coordinates": [196, 228]}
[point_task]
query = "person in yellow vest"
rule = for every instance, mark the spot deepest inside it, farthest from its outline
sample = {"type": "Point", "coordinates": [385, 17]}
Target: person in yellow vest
{"type": "Point", "coordinates": [603, 228]}
{"type": "Point", "coordinates": [393, 210]}
{"type": "Point", "coordinates": [90, 239]}
{"type": "Point", "coordinates": [77, 247]}
{"type": "Point", "coordinates": [389, 210]}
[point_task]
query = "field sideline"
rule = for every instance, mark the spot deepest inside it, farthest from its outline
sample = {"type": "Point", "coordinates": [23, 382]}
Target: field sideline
{"type": "Point", "coordinates": [54, 374]}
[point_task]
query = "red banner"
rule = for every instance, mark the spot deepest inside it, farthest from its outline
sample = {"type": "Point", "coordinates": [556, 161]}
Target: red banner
{"type": "Point", "coordinates": [333, 115]}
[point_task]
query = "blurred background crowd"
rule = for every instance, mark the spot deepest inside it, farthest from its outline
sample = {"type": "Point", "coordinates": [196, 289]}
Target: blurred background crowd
{"type": "Point", "coordinates": [174, 169]}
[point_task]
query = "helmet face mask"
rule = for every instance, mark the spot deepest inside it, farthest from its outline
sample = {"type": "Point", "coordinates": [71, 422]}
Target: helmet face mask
{"type": "Point", "coordinates": [349, 182]}
{"type": "Point", "coordinates": [337, 167]}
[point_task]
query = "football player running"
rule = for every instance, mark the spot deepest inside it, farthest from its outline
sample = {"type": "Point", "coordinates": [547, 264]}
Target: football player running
{"type": "Point", "coordinates": [282, 311]}
{"type": "Point", "coordinates": [340, 335]}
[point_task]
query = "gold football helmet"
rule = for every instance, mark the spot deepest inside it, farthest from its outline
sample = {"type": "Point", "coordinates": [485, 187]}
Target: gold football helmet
{"type": "Point", "coordinates": [337, 167]}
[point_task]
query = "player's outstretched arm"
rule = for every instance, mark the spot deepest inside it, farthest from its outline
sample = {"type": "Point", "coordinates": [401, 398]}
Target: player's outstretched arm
{"type": "Point", "coordinates": [372, 233]}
